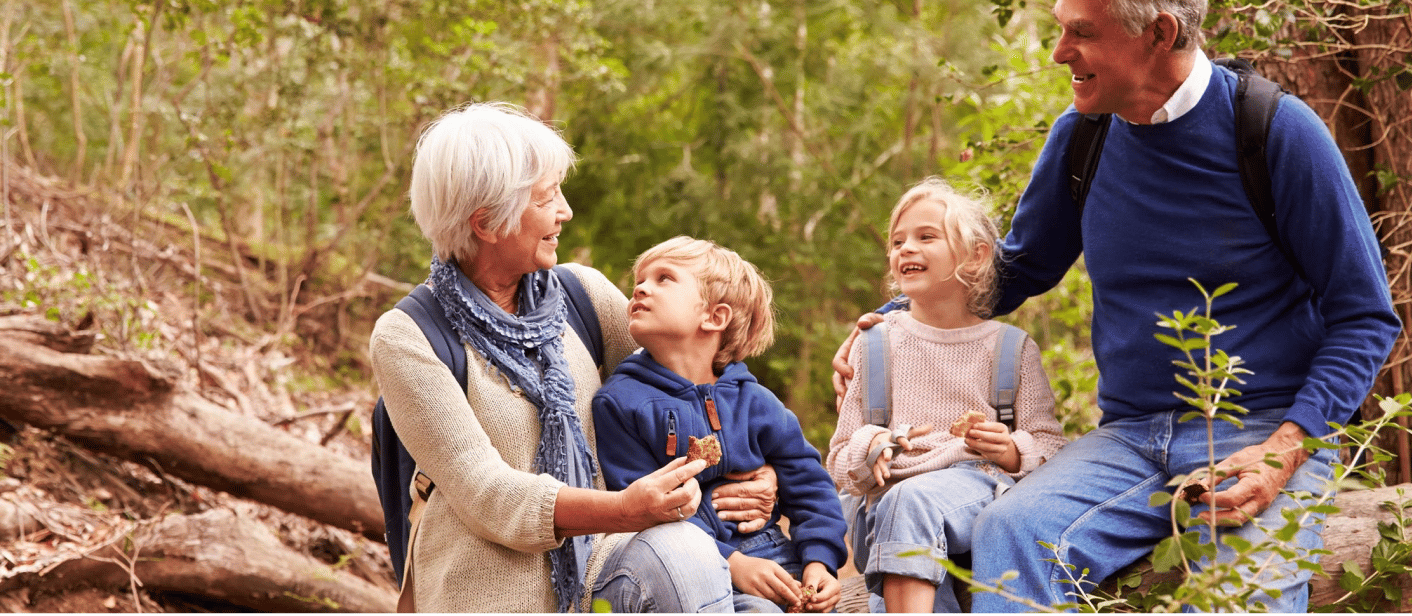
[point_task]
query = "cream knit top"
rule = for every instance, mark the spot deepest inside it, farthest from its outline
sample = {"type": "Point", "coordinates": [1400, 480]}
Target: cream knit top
{"type": "Point", "coordinates": [937, 376]}
{"type": "Point", "coordinates": [484, 539]}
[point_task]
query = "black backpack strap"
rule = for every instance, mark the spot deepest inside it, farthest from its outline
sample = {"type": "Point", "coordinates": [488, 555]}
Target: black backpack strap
{"type": "Point", "coordinates": [1085, 148]}
{"type": "Point", "coordinates": [583, 317]}
{"type": "Point", "coordinates": [1256, 101]}
{"type": "Point", "coordinates": [393, 467]}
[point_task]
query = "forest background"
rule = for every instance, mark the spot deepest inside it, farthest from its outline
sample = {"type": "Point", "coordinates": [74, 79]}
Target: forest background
{"type": "Point", "coordinates": [269, 144]}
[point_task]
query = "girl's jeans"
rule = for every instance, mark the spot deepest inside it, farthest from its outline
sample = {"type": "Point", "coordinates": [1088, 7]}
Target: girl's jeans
{"type": "Point", "coordinates": [1091, 501]}
{"type": "Point", "coordinates": [922, 519]}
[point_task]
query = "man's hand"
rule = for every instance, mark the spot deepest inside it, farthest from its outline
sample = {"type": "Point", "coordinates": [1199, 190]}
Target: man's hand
{"type": "Point", "coordinates": [1257, 483]}
{"type": "Point", "coordinates": [841, 370]}
{"type": "Point", "coordinates": [750, 502]}
{"type": "Point", "coordinates": [763, 578]}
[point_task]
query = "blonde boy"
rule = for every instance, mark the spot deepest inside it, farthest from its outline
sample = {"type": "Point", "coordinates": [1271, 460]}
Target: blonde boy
{"type": "Point", "coordinates": [698, 310]}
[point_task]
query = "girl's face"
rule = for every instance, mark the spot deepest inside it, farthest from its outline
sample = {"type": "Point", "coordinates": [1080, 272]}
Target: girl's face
{"type": "Point", "coordinates": [920, 257]}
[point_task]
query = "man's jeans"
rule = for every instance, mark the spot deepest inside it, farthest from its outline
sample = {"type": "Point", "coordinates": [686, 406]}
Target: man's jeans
{"type": "Point", "coordinates": [673, 567]}
{"type": "Point", "coordinates": [1091, 500]}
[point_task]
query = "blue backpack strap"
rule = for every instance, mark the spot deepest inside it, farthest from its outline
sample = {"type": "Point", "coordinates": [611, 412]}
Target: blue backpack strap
{"type": "Point", "coordinates": [393, 467]}
{"type": "Point", "coordinates": [877, 382]}
{"type": "Point", "coordinates": [583, 317]}
{"type": "Point", "coordinates": [1005, 373]}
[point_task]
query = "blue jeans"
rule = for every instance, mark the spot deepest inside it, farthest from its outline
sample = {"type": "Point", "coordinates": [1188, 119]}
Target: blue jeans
{"type": "Point", "coordinates": [673, 567]}
{"type": "Point", "coordinates": [1091, 500]}
{"type": "Point", "coordinates": [932, 513]}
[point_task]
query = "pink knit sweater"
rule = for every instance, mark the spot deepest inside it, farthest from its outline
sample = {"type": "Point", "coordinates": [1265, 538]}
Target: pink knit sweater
{"type": "Point", "coordinates": [937, 376]}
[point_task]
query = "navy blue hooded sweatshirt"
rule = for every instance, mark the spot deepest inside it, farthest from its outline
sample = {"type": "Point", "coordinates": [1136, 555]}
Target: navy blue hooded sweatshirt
{"type": "Point", "coordinates": [644, 413]}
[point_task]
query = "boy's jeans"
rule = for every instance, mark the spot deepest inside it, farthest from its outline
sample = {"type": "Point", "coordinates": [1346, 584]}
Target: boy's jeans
{"type": "Point", "coordinates": [1091, 500]}
{"type": "Point", "coordinates": [673, 567]}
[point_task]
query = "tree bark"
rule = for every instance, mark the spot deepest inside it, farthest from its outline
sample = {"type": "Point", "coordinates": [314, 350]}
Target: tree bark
{"type": "Point", "coordinates": [130, 409]}
{"type": "Point", "coordinates": [218, 555]}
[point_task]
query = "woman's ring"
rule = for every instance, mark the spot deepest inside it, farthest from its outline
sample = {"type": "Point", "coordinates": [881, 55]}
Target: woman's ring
{"type": "Point", "coordinates": [680, 515]}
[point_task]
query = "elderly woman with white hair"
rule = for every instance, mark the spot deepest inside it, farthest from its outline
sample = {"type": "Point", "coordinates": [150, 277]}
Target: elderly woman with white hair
{"type": "Point", "coordinates": [519, 520]}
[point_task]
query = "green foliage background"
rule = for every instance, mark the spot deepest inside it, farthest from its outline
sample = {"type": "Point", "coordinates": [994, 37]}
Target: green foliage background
{"type": "Point", "coordinates": [783, 130]}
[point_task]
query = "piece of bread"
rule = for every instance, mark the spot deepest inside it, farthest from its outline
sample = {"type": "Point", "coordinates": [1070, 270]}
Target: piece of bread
{"type": "Point", "coordinates": [961, 426]}
{"type": "Point", "coordinates": [708, 449]}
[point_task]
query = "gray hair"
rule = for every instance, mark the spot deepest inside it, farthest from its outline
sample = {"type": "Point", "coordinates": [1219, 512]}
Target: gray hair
{"type": "Point", "coordinates": [1134, 15]}
{"type": "Point", "coordinates": [482, 155]}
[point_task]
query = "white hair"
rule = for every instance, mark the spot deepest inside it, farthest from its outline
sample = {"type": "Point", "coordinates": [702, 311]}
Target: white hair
{"type": "Point", "coordinates": [1136, 15]}
{"type": "Point", "coordinates": [482, 155]}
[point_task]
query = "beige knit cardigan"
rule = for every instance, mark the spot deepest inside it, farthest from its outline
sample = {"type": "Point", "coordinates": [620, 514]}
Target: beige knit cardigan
{"type": "Point", "coordinates": [483, 543]}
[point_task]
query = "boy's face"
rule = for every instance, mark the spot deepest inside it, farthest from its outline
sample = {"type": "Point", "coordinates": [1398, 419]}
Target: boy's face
{"type": "Point", "coordinates": [666, 303]}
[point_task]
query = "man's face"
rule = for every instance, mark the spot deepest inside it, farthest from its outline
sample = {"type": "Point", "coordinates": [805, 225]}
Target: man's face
{"type": "Point", "coordinates": [1108, 66]}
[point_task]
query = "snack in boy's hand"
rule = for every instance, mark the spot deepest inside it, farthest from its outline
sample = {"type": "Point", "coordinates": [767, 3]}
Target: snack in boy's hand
{"type": "Point", "coordinates": [708, 449]}
{"type": "Point", "coordinates": [807, 594]}
{"type": "Point", "coordinates": [961, 426]}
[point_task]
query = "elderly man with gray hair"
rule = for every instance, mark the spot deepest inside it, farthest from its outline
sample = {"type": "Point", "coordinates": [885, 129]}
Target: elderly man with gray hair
{"type": "Point", "coordinates": [1312, 313]}
{"type": "Point", "coordinates": [1167, 204]}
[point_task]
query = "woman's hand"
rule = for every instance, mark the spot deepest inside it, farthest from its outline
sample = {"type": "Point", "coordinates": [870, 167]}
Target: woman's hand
{"type": "Point", "coordinates": [751, 501]}
{"type": "Point", "coordinates": [669, 494]}
{"type": "Point", "coordinates": [992, 440]}
{"type": "Point", "coordinates": [763, 578]}
{"type": "Point", "coordinates": [841, 370]}
{"type": "Point", "coordinates": [827, 590]}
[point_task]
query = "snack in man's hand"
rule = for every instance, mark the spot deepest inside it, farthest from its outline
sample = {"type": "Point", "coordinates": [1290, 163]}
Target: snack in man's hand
{"type": "Point", "coordinates": [708, 449]}
{"type": "Point", "coordinates": [963, 425]}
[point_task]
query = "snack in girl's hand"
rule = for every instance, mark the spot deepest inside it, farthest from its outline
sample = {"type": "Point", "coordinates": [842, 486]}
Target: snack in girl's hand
{"type": "Point", "coordinates": [708, 449]}
{"type": "Point", "coordinates": [961, 426]}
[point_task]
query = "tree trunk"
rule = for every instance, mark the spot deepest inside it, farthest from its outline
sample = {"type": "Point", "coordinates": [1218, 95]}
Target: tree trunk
{"type": "Point", "coordinates": [128, 408]}
{"type": "Point", "coordinates": [217, 555]}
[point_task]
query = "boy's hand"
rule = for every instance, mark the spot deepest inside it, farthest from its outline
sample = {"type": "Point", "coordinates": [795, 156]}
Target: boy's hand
{"type": "Point", "coordinates": [992, 440]}
{"type": "Point", "coordinates": [827, 590]}
{"type": "Point", "coordinates": [763, 578]}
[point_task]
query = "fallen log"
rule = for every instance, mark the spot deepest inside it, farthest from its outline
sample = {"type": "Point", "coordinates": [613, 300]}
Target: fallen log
{"type": "Point", "coordinates": [1350, 534]}
{"type": "Point", "coordinates": [218, 555]}
{"type": "Point", "coordinates": [131, 409]}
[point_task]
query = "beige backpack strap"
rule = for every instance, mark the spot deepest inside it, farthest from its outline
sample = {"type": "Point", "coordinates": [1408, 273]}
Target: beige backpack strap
{"type": "Point", "coordinates": [422, 487]}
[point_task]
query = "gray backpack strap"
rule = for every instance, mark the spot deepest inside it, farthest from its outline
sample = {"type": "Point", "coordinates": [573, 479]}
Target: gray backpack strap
{"type": "Point", "coordinates": [877, 373]}
{"type": "Point", "coordinates": [1005, 373]}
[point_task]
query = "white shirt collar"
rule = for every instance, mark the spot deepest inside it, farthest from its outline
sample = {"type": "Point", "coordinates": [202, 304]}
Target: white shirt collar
{"type": "Point", "coordinates": [1189, 94]}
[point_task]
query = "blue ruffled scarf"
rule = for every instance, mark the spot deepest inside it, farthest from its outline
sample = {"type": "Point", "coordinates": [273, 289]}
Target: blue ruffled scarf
{"type": "Point", "coordinates": [528, 350]}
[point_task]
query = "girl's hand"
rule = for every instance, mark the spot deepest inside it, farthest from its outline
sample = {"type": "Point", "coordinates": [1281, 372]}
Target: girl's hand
{"type": "Point", "coordinates": [669, 494]}
{"type": "Point", "coordinates": [992, 440]}
{"type": "Point", "coordinates": [882, 468]}
{"type": "Point", "coordinates": [750, 502]}
{"type": "Point", "coordinates": [827, 590]}
{"type": "Point", "coordinates": [763, 578]}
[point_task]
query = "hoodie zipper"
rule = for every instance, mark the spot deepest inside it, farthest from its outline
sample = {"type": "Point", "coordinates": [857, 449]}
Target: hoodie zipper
{"type": "Point", "coordinates": [671, 435]}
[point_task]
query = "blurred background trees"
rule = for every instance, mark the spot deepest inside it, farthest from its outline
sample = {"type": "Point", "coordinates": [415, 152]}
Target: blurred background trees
{"type": "Point", "coordinates": [279, 135]}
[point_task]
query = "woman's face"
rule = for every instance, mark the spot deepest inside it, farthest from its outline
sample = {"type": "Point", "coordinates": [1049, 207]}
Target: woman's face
{"type": "Point", "coordinates": [532, 247]}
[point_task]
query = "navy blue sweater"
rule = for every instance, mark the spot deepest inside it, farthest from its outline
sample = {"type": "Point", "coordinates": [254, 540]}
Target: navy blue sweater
{"type": "Point", "coordinates": [640, 408]}
{"type": "Point", "coordinates": [1167, 204]}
